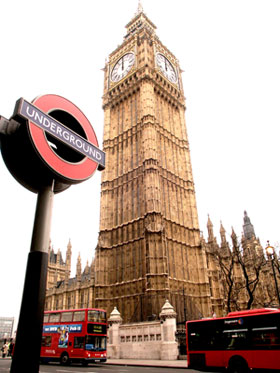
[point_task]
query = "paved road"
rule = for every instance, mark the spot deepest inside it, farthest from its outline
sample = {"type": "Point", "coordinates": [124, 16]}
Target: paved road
{"type": "Point", "coordinates": [96, 368]}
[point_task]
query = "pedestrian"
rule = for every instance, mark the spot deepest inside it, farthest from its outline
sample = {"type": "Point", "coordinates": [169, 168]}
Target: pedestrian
{"type": "Point", "coordinates": [11, 347]}
{"type": "Point", "coordinates": [4, 350]}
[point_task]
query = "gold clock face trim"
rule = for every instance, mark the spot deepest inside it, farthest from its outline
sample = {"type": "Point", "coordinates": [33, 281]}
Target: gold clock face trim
{"type": "Point", "coordinates": [122, 67]}
{"type": "Point", "coordinates": [166, 68]}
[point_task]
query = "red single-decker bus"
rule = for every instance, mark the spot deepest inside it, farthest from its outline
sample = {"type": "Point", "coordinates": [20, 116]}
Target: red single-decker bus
{"type": "Point", "coordinates": [74, 336]}
{"type": "Point", "coordinates": [241, 341]}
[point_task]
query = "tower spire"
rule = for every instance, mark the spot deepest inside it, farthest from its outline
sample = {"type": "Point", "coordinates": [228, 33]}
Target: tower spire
{"type": "Point", "coordinates": [248, 227]}
{"type": "Point", "coordinates": [222, 233]}
{"type": "Point", "coordinates": [210, 230]}
{"type": "Point", "coordinates": [140, 7]}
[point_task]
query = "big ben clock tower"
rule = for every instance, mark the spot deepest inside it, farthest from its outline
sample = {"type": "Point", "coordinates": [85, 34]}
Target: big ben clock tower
{"type": "Point", "coordinates": [149, 241]}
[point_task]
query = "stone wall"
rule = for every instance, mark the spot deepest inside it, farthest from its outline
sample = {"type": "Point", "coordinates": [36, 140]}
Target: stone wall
{"type": "Point", "coordinates": [147, 340]}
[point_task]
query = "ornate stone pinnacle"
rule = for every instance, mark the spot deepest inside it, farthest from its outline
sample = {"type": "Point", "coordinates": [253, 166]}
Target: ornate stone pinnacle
{"type": "Point", "coordinates": [167, 311]}
{"type": "Point", "coordinates": [115, 317]}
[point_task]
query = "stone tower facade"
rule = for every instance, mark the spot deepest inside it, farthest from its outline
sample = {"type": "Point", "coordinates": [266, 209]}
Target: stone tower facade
{"type": "Point", "coordinates": [65, 292]}
{"type": "Point", "coordinates": [149, 242]}
{"type": "Point", "coordinates": [58, 269]}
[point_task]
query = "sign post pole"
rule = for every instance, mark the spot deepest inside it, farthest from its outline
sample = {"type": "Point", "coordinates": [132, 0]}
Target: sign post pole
{"type": "Point", "coordinates": [29, 333]}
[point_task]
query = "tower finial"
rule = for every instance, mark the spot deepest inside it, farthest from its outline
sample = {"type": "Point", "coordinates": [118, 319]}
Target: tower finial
{"type": "Point", "coordinates": [140, 7]}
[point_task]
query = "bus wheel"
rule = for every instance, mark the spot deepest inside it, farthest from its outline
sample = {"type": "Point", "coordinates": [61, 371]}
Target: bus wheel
{"type": "Point", "coordinates": [238, 365]}
{"type": "Point", "coordinates": [64, 359]}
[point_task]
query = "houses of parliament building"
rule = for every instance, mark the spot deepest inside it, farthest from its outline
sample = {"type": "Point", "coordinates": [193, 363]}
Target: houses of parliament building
{"type": "Point", "coordinates": [150, 247]}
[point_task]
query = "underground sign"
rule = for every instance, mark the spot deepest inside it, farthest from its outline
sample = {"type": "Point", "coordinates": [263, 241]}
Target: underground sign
{"type": "Point", "coordinates": [50, 139]}
{"type": "Point", "coordinates": [70, 149]}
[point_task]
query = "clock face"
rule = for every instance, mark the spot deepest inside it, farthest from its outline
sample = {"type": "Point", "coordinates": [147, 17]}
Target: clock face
{"type": "Point", "coordinates": [122, 67]}
{"type": "Point", "coordinates": [166, 68]}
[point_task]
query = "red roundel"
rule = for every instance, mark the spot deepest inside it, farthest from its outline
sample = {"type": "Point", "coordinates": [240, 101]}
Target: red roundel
{"type": "Point", "coordinates": [73, 171]}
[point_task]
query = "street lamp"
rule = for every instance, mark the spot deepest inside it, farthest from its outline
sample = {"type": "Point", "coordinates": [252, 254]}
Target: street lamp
{"type": "Point", "coordinates": [270, 252]}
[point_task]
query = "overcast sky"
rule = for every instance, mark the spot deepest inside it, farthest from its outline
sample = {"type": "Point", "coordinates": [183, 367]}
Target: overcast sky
{"type": "Point", "coordinates": [229, 51]}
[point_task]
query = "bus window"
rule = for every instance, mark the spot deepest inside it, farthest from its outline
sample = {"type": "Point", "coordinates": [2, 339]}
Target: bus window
{"type": "Point", "coordinates": [268, 337]}
{"type": "Point", "coordinates": [46, 317]}
{"type": "Point", "coordinates": [79, 342]}
{"type": "Point", "coordinates": [79, 316]}
{"type": "Point", "coordinates": [194, 341]}
{"type": "Point", "coordinates": [93, 316]}
{"type": "Point", "coordinates": [96, 316]}
{"type": "Point", "coordinates": [103, 316]}
{"type": "Point", "coordinates": [95, 343]}
{"type": "Point", "coordinates": [207, 336]}
{"type": "Point", "coordinates": [46, 341]}
{"type": "Point", "coordinates": [54, 317]}
{"type": "Point", "coordinates": [236, 339]}
{"type": "Point", "coordinates": [66, 316]}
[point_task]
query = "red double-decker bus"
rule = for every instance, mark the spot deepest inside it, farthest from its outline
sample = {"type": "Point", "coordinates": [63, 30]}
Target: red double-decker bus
{"type": "Point", "coordinates": [240, 342]}
{"type": "Point", "coordinates": [74, 336]}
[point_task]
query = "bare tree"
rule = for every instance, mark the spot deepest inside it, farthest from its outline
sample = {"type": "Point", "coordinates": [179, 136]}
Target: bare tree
{"type": "Point", "coordinates": [226, 265]}
{"type": "Point", "coordinates": [251, 264]}
{"type": "Point", "coordinates": [240, 270]}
